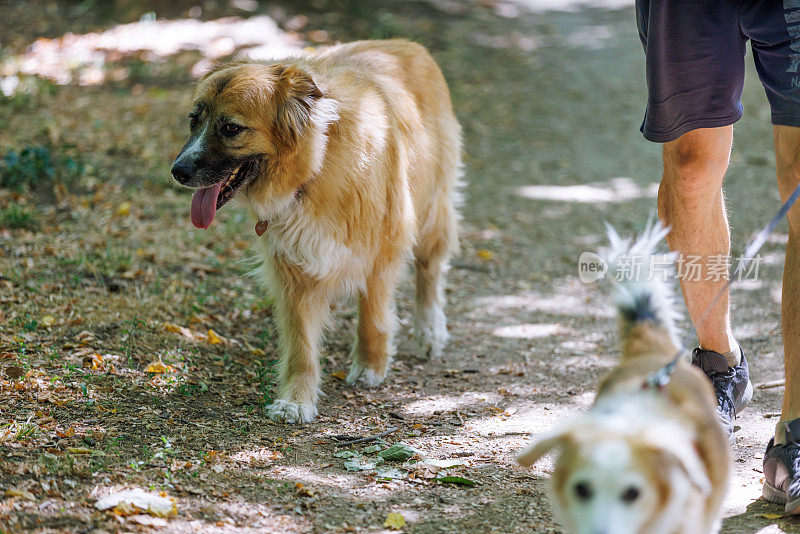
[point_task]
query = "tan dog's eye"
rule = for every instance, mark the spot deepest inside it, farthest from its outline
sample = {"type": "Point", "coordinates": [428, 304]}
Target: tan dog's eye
{"type": "Point", "coordinates": [231, 130]}
{"type": "Point", "coordinates": [193, 120]}
{"type": "Point", "coordinates": [630, 494]}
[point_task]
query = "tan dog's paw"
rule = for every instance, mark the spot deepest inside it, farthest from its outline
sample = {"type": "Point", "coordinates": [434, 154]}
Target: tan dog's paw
{"type": "Point", "coordinates": [286, 411]}
{"type": "Point", "coordinates": [430, 329]}
{"type": "Point", "coordinates": [364, 376]}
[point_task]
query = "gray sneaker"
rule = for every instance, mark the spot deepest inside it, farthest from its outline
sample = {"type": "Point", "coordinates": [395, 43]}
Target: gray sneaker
{"type": "Point", "coordinates": [782, 470]}
{"type": "Point", "coordinates": [732, 385]}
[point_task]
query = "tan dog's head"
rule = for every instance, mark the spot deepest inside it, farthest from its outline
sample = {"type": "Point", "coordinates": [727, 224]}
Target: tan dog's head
{"type": "Point", "coordinates": [248, 120]}
{"type": "Point", "coordinates": [613, 479]}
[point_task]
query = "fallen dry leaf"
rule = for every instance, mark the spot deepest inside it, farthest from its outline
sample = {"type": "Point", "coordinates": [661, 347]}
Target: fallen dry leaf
{"type": "Point", "coordinates": [48, 320]}
{"type": "Point", "coordinates": [339, 375]}
{"type": "Point", "coordinates": [85, 337]}
{"type": "Point", "coordinates": [303, 491]}
{"type": "Point", "coordinates": [485, 254]}
{"type": "Point", "coordinates": [20, 493]}
{"type": "Point", "coordinates": [68, 433]}
{"type": "Point", "coordinates": [148, 521]}
{"type": "Point", "coordinates": [136, 501]}
{"type": "Point", "coordinates": [213, 456]}
{"type": "Point", "coordinates": [158, 367]}
{"type": "Point", "coordinates": [79, 450]}
{"type": "Point", "coordinates": [169, 327]}
{"type": "Point", "coordinates": [394, 521]}
{"type": "Point", "coordinates": [214, 338]}
{"type": "Point", "coordinates": [123, 210]}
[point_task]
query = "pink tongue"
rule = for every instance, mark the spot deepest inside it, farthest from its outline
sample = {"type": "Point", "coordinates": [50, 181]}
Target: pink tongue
{"type": "Point", "coordinates": [204, 206]}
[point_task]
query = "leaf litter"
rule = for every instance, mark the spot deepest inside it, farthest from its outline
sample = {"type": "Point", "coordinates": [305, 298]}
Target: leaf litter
{"type": "Point", "coordinates": [382, 461]}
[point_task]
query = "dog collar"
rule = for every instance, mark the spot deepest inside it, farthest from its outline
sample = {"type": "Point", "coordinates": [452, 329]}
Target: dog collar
{"type": "Point", "coordinates": [261, 226]}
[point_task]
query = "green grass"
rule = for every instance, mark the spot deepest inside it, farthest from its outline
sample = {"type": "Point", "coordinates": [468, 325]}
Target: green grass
{"type": "Point", "coordinates": [34, 166]}
{"type": "Point", "coordinates": [15, 216]}
{"type": "Point", "coordinates": [265, 376]}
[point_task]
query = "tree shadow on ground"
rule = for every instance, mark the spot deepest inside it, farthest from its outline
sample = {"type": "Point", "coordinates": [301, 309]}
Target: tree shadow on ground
{"type": "Point", "coordinates": [761, 516]}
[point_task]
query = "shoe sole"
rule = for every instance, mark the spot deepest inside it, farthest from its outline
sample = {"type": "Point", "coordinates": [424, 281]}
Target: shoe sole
{"type": "Point", "coordinates": [745, 399]}
{"type": "Point", "coordinates": [792, 507]}
{"type": "Point", "coordinates": [773, 494]}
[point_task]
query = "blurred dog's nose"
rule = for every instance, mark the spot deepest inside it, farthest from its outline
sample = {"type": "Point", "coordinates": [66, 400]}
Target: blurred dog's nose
{"type": "Point", "coordinates": [183, 172]}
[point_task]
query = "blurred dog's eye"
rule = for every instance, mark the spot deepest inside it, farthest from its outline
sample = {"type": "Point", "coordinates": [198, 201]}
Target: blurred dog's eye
{"type": "Point", "coordinates": [583, 491]}
{"type": "Point", "coordinates": [230, 129]}
{"type": "Point", "coordinates": [630, 494]}
{"type": "Point", "coordinates": [193, 120]}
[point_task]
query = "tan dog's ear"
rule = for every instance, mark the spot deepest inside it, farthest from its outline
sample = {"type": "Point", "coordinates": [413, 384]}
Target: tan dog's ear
{"type": "Point", "coordinates": [299, 92]}
{"type": "Point", "coordinates": [545, 444]}
{"type": "Point", "coordinates": [222, 65]}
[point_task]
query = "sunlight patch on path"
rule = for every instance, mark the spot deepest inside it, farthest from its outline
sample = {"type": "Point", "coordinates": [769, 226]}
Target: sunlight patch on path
{"type": "Point", "coordinates": [531, 331]}
{"type": "Point", "coordinates": [748, 452]}
{"type": "Point", "coordinates": [86, 58]}
{"type": "Point", "coordinates": [306, 475]}
{"type": "Point", "coordinates": [567, 5]}
{"type": "Point", "coordinates": [615, 190]}
{"type": "Point", "coordinates": [528, 301]}
{"type": "Point", "coordinates": [544, 417]}
{"type": "Point", "coordinates": [442, 403]}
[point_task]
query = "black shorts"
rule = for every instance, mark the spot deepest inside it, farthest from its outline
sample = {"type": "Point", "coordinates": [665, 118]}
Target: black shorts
{"type": "Point", "coordinates": [695, 61]}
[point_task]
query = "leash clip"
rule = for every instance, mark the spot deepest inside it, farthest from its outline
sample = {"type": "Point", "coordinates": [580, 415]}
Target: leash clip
{"type": "Point", "coordinates": [659, 378]}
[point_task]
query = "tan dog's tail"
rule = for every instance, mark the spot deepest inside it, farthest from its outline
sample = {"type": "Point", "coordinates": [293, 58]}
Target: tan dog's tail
{"type": "Point", "coordinates": [644, 296]}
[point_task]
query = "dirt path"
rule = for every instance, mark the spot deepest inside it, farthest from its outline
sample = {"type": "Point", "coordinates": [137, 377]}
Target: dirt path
{"type": "Point", "coordinates": [550, 103]}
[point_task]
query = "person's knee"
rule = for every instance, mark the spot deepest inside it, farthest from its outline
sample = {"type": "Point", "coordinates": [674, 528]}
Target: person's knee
{"type": "Point", "coordinates": [787, 160]}
{"type": "Point", "coordinates": [695, 170]}
{"type": "Point", "coordinates": [787, 152]}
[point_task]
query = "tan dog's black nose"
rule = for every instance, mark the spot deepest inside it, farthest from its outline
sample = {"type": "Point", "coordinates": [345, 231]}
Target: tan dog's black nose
{"type": "Point", "coordinates": [183, 172]}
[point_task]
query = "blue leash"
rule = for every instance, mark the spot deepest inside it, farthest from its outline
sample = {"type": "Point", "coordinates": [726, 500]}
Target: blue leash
{"type": "Point", "coordinates": [661, 377]}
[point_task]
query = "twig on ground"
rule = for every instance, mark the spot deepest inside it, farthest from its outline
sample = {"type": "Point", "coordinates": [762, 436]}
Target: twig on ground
{"type": "Point", "coordinates": [771, 384]}
{"type": "Point", "coordinates": [469, 267]}
{"type": "Point", "coordinates": [368, 438]}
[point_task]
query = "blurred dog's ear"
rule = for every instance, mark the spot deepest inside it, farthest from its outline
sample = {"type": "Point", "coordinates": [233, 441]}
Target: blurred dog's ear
{"type": "Point", "coordinates": [545, 444]}
{"type": "Point", "coordinates": [681, 452]}
{"type": "Point", "coordinates": [686, 458]}
{"type": "Point", "coordinates": [298, 91]}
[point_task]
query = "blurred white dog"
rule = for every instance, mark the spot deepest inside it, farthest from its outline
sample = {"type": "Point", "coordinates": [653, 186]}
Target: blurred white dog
{"type": "Point", "coordinates": [649, 457]}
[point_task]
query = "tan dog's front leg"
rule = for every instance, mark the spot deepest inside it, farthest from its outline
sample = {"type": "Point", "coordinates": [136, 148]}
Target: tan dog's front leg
{"type": "Point", "coordinates": [301, 316]}
{"type": "Point", "coordinates": [373, 347]}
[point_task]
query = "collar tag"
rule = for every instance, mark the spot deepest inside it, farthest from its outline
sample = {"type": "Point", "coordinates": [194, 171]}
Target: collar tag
{"type": "Point", "coordinates": [261, 227]}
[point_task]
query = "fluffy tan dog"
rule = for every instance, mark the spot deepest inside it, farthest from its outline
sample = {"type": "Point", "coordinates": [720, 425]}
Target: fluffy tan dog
{"type": "Point", "coordinates": [348, 159]}
{"type": "Point", "coordinates": [644, 459]}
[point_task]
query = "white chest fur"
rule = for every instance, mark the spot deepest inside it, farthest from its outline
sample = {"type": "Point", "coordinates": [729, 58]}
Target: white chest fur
{"type": "Point", "coordinates": [301, 240]}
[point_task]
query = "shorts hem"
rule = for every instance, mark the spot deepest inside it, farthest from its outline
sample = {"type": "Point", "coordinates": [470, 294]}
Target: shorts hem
{"type": "Point", "coordinates": [671, 135]}
{"type": "Point", "coordinates": [785, 120]}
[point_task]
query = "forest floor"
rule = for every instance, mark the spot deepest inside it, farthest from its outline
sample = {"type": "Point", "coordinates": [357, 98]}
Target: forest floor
{"type": "Point", "coordinates": [136, 353]}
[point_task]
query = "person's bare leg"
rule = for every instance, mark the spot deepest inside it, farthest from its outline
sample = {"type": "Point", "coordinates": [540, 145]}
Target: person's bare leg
{"type": "Point", "coordinates": [787, 158]}
{"type": "Point", "coordinates": [690, 202]}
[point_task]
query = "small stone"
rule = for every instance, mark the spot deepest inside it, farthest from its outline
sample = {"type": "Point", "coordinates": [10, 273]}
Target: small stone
{"type": "Point", "coordinates": [14, 372]}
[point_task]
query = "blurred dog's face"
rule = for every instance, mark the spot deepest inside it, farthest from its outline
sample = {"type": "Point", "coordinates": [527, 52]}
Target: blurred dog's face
{"type": "Point", "coordinates": [605, 488]}
{"type": "Point", "coordinates": [607, 482]}
{"type": "Point", "coordinates": [243, 119]}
